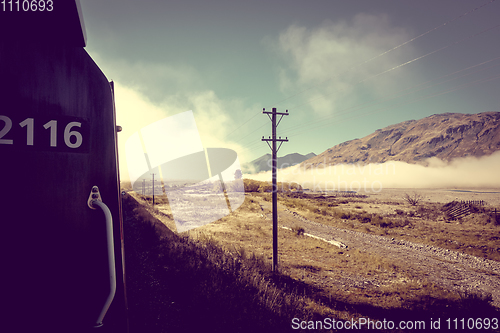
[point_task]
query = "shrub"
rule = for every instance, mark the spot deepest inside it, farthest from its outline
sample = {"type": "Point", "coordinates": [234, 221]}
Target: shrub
{"type": "Point", "coordinates": [495, 217]}
{"type": "Point", "coordinates": [400, 222]}
{"type": "Point", "coordinates": [413, 199]}
{"type": "Point", "coordinates": [379, 221]}
{"type": "Point", "coordinates": [323, 212]}
{"type": "Point", "coordinates": [251, 185]}
{"type": "Point", "coordinates": [296, 186]}
{"type": "Point", "coordinates": [298, 230]}
{"type": "Point", "coordinates": [265, 187]}
{"type": "Point", "coordinates": [485, 218]}
{"type": "Point", "coordinates": [345, 215]}
{"type": "Point", "coordinates": [365, 219]}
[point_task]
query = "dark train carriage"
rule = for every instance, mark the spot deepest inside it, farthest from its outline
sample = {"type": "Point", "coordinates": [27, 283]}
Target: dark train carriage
{"type": "Point", "coordinates": [61, 267]}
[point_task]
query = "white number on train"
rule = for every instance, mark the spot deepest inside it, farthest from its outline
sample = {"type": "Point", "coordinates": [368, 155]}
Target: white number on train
{"type": "Point", "coordinates": [29, 123]}
{"type": "Point", "coordinates": [5, 130]}
{"type": "Point", "coordinates": [68, 134]}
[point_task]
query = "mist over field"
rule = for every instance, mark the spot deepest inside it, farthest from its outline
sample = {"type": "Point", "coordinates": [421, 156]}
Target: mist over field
{"type": "Point", "coordinates": [466, 172]}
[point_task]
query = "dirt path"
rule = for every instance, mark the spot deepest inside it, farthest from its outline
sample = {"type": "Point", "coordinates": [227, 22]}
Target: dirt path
{"type": "Point", "coordinates": [450, 269]}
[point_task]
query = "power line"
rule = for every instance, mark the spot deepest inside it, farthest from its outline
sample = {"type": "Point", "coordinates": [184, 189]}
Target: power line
{"type": "Point", "coordinates": [410, 61]}
{"type": "Point", "coordinates": [237, 128]}
{"type": "Point", "coordinates": [400, 93]}
{"type": "Point", "coordinates": [297, 133]}
{"type": "Point", "coordinates": [382, 54]}
{"type": "Point", "coordinates": [254, 145]}
{"type": "Point", "coordinates": [390, 50]}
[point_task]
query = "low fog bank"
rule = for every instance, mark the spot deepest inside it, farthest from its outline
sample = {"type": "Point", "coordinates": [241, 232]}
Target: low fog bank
{"type": "Point", "coordinates": [467, 172]}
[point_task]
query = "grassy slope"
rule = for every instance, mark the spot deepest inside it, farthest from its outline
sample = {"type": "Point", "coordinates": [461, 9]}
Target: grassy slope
{"type": "Point", "coordinates": [177, 284]}
{"type": "Point", "coordinates": [221, 282]}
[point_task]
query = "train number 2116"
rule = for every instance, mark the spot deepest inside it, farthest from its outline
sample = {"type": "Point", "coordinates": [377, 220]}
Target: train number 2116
{"type": "Point", "coordinates": [72, 137]}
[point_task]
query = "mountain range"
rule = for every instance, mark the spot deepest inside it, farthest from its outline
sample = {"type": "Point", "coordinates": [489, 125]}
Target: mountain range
{"type": "Point", "coordinates": [445, 136]}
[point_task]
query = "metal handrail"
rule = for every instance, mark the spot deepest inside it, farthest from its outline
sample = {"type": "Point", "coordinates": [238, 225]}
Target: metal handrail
{"type": "Point", "coordinates": [111, 258]}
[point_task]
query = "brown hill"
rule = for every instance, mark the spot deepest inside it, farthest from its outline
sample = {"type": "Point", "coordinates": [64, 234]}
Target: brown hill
{"type": "Point", "coordinates": [445, 136]}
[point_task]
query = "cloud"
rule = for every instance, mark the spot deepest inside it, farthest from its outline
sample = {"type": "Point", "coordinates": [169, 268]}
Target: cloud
{"type": "Point", "coordinates": [146, 92]}
{"type": "Point", "coordinates": [152, 79]}
{"type": "Point", "coordinates": [134, 111]}
{"type": "Point", "coordinates": [467, 172]}
{"type": "Point", "coordinates": [333, 58]}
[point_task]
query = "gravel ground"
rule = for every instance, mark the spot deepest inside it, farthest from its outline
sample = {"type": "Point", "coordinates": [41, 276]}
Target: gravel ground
{"type": "Point", "coordinates": [450, 269]}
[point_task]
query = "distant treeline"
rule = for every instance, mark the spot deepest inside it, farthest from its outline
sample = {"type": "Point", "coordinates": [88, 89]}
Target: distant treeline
{"type": "Point", "coordinates": [258, 186]}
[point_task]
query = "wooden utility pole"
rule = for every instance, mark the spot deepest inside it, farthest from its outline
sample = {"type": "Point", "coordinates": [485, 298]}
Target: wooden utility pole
{"type": "Point", "coordinates": [272, 115]}
{"type": "Point", "coordinates": [153, 189]}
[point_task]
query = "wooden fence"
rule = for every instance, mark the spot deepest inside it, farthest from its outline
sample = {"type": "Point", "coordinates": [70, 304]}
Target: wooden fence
{"type": "Point", "coordinates": [473, 202]}
{"type": "Point", "coordinates": [459, 209]}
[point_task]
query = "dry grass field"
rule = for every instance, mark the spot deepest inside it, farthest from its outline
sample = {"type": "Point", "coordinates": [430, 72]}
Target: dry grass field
{"type": "Point", "coordinates": [356, 282]}
{"type": "Point", "coordinates": [321, 263]}
{"type": "Point", "coordinates": [388, 214]}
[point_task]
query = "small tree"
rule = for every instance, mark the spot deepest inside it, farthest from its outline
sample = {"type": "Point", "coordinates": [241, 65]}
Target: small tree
{"type": "Point", "coordinates": [265, 187]}
{"type": "Point", "coordinates": [251, 185]}
{"type": "Point", "coordinates": [413, 199]}
{"type": "Point", "coordinates": [238, 174]}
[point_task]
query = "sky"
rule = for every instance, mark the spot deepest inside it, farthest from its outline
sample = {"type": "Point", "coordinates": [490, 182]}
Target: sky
{"type": "Point", "coordinates": [342, 68]}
